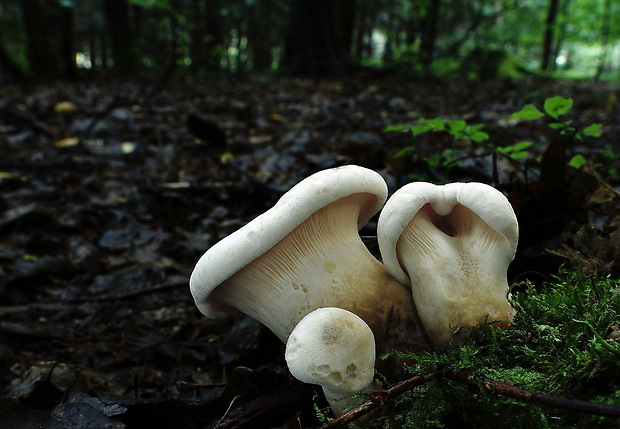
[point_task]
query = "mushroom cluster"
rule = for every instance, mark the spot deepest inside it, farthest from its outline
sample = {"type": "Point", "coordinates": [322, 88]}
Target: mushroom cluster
{"type": "Point", "coordinates": [303, 271]}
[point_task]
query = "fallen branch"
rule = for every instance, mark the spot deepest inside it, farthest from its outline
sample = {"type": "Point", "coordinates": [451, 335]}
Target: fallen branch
{"type": "Point", "coordinates": [522, 395]}
{"type": "Point", "coordinates": [381, 396]}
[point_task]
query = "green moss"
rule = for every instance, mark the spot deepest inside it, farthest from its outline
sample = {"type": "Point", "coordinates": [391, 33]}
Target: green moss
{"type": "Point", "coordinates": [557, 345]}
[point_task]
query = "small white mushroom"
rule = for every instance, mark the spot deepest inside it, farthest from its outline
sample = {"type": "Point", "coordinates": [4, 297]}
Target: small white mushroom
{"type": "Point", "coordinates": [453, 243]}
{"type": "Point", "coordinates": [306, 253]}
{"type": "Point", "coordinates": [335, 349]}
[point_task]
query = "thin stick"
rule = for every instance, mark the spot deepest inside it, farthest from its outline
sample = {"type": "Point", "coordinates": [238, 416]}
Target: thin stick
{"type": "Point", "coordinates": [377, 397]}
{"type": "Point", "coordinates": [522, 395]}
{"type": "Point", "coordinates": [380, 396]}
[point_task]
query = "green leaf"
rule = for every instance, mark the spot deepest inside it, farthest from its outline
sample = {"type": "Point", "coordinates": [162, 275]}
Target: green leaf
{"type": "Point", "coordinates": [437, 124]}
{"type": "Point", "coordinates": [479, 136]}
{"type": "Point", "coordinates": [519, 154]}
{"type": "Point", "coordinates": [397, 127]}
{"type": "Point", "coordinates": [475, 127]}
{"type": "Point", "coordinates": [577, 161]}
{"type": "Point", "coordinates": [557, 125]}
{"type": "Point", "coordinates": [456, 125]}
{"type": "Point", "coordinates": [421, 129]}
{"type": "Point", "coordinates": [517, 147]}
{"type": "Point", "coordinates": [522, 145]}
{"type": "Point", "coordinates": [528, 113]}
{"type": "Point", "coordinates": [593, 130]}
{"type": "Point", "coordinates": [403, 151]}
{"type": "Point", "coordinates": [433, 160]}
{"type": "Point", "coordinates": [558, 105]}
{"type": "Point", "coordinates": [452, 162]}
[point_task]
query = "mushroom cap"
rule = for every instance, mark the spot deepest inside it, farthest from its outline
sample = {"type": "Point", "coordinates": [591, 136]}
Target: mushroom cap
{"type": "Point", "coordinates": [240, 248]}
{"type": "Point", "coordinates": [483, 200]}
{"type": "Point", "coordinates": [334, 348]}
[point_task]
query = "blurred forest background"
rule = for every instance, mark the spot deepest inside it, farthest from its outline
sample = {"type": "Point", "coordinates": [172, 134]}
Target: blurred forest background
{"type": "Point", "coordinates": [63, 38]}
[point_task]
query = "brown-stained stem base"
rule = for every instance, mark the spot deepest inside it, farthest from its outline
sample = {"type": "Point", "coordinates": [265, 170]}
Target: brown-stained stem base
{"type": "Point", "coordinates": [381, 396]}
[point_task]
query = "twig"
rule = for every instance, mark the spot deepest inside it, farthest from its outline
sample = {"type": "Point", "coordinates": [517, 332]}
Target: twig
{"type": "Point", "coordinates": [130, 294]}
{"type": "Point", "coordinates": [112, 104]}
{"type": "Point", "coordinates": [27, 120]}
{"type": "Point", "coordinates": [522, 395]}
{"type": "Point", "coordinates": [378, 397]}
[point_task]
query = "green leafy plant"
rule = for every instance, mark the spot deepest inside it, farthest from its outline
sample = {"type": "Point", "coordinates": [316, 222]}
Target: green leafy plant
{"type": "Point", "coordinates": [610, 155]}
{"type": "Point", "coordinates": [321, 414]}
{"type": "Point", "coordinates": [554, 107]}
{"type": "Point", "coordinates": [460, 130]}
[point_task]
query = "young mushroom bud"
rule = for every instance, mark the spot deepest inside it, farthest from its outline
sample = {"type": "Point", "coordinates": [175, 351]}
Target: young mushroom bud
{"type": "Point", "coordinates": [306, 253]}
{"type": "Point", "coordinates": [453, 243]}
{"type": "Point", "coordinates": [335, 349]}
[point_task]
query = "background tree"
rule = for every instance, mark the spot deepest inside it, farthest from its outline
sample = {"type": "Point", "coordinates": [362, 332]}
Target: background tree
{"type": "Point", "coordinates": [124, 50]}
{"type": "Point", "coordinates": [552, 13]}
{"type": "Point", "coordinates": [428, 33]}
{"type": "Point", "coordinates": [11, 66]}
{"type": "Point", "coordinates": [40, 21]}
{"type": "Point", "coordinates": [605, 33]}
{"type": "Point", "coordinates": [319, 37]}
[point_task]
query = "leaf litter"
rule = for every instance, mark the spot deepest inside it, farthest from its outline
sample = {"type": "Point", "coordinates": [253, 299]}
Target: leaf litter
{"type": "Point", "coordinates": [110, 194]}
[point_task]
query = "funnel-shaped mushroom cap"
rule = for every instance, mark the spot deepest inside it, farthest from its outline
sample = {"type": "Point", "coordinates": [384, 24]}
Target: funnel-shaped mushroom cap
{"type": "Point", "coordinates": [306, 253]}
{"type": "Point", "coordinates": [453, 244]}
{"type": "Point", "coordinates": [335, 349]}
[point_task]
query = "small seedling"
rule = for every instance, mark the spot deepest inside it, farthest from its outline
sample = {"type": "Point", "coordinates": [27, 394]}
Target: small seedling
{"type": "Point", "coordinates": [554, 107]}
{"type": "Point", "coordinates": [460, 130]}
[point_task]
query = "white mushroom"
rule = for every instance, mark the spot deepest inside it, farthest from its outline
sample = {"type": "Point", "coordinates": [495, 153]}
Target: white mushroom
{"type": "Point", "coordinates": [305, 253]}
{"type": "Point", "coordinates": [453, 243]}
{"type": "Point", "coordinates": [335, 349]}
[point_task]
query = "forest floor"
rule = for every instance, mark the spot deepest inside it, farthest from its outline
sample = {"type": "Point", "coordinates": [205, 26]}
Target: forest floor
{"type": "Point", "coordinates": [112, 190]}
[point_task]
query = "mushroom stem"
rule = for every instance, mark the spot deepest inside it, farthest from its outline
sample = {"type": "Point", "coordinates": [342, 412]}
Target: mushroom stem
{"type": "Point", "coordinates": [458, 273]}
{"type": "Point", "coordinates": [322, 263]}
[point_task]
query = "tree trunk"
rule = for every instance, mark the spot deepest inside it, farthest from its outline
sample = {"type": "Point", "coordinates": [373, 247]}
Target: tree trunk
{"type": "Point", "coordinates": [104, 50]}
{"type": "Point", "coordinates": [552, 13]}
{"type": "Point", "coordinates": [562, 32]}
{"type": "Point", "coordinates": [8, 63]}
{"type": "Point", "coordinates": [214, 34]}
{"type": "Point", "coordinates": [198, 35]}
{"type": "Point", "coordinates": [319, 37]}
{"type": "Point", "coordinates": [67, 41]}
{"type": "Point", "coordinates": [429, 35]}
{"type": "Point", "coordinates": [361, 30]}
{"type": "Point", "coordinates": [42, 57]}
{"type": "Point", "coordinates": [260, 34]}
{"type": "Point", "coordinates": [124, 50]}
{"type": "Point", "coordinates": [605, 31]}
